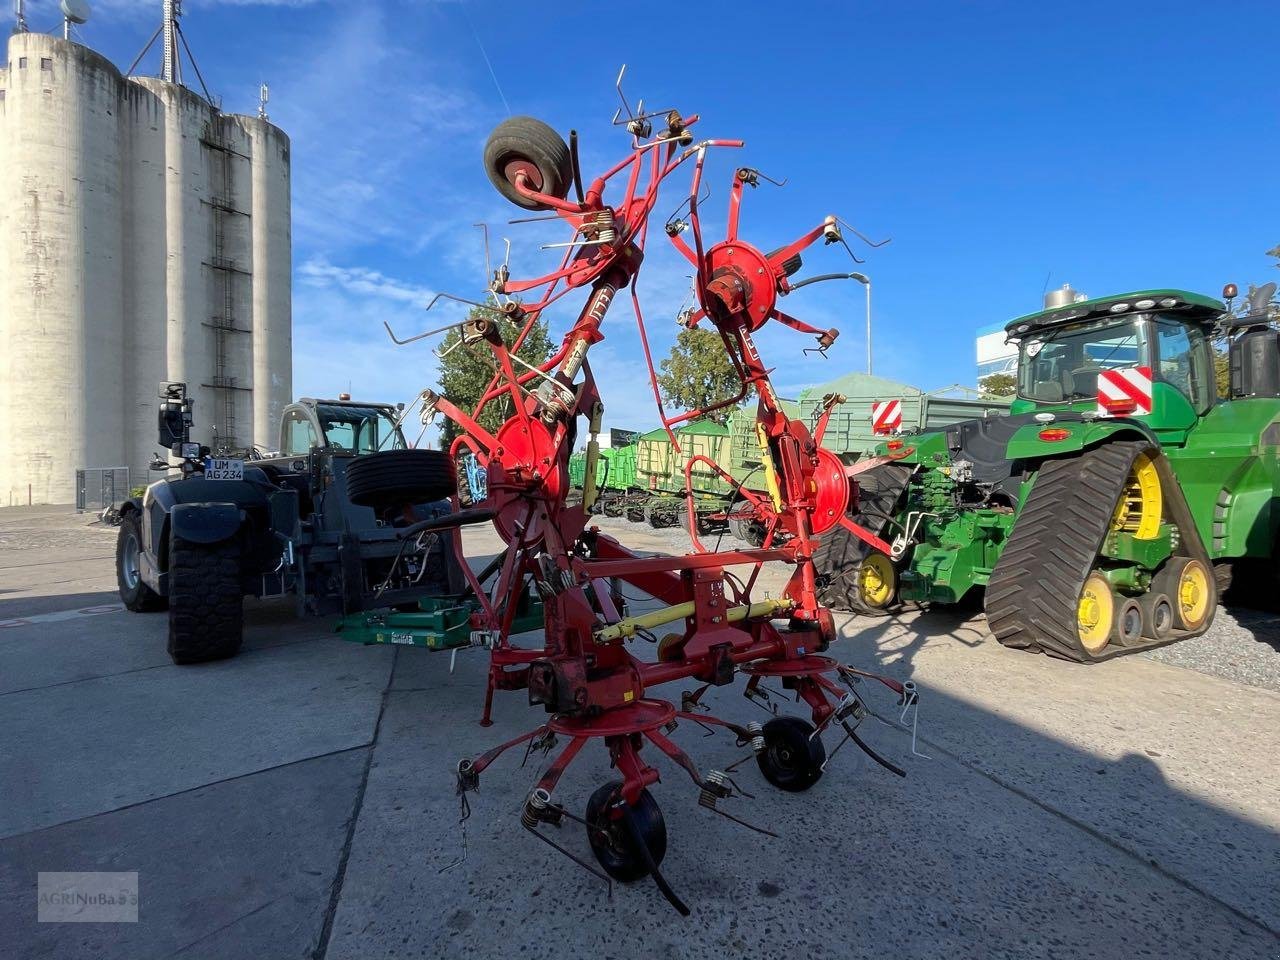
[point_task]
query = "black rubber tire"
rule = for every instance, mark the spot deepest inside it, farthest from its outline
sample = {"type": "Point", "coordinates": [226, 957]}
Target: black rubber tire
{"type": "Point", "coordinates": [1157, 612]}
{"type": "Point", "coordinates": [611, 841]}
{"type": "Point", "coordinates": [395, 478]}
{"type": "Point", "coordinates": [137, 597]}
{"type": "Point", "coordinates": [791, 760]}
{"type": "Point", "coordinates": [530, 140]}
{"type": "Point", "coordinates": [750, 532]}
{"type": "Point", "coordinates": [206, 601]}
{"type": "Point", "coordinates": [837, 562]}
{"type": "Point", "coordinates": [1131, 622]}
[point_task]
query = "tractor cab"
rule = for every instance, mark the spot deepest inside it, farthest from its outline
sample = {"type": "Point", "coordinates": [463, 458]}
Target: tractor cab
{"type": "Point", "coordinates": [1146, 354]}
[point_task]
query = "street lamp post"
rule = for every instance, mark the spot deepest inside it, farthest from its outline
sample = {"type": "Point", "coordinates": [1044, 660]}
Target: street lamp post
{"type": "Point", "coordinates": [863, 279]}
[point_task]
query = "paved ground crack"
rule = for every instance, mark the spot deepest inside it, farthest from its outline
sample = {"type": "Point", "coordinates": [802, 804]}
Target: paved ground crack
{"type": "Point", "coordinates": [335, 894]}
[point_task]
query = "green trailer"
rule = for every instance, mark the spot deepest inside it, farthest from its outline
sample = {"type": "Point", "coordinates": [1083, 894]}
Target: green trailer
{"type": "Point", "coordinates": [849, 431]}
{"type": "Point", "coordinates": [1102, 515]}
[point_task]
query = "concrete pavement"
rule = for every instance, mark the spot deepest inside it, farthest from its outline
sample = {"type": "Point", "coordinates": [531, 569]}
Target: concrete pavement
{"type": "Point", "coordinates": [298, 800]}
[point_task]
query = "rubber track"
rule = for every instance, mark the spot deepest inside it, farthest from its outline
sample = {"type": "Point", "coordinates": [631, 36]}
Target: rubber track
{"type": "Point", "coordinates": [206, 601]}
{"type": "Point", "coordinates": [839, 552]}
{"type": "Point", "coordinates": [1032, 596]}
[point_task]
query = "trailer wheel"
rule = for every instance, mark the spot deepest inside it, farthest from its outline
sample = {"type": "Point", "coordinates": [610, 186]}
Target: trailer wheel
{"type": "Point", "coordinates": [526, 145]}
{"type": "Point", "coordinates": [394, 478]}
{"type": "Point", "coordinates": [612, 842]}
{"type": "Point", "coordinates": [792, 758]}
{"type": "Point", "coordinates": [135, 594]}
{"type": "Point", "coordinates": [206, 601]}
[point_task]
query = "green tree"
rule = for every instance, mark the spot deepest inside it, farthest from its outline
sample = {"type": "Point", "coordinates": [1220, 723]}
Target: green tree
{"type": "Point", "coordinates": [465, 372]}
{"type": "Point", "coordinates": [1222, 371]}
{"type": "Point", "coordinates": [698, 373]}
{"type": "Point", "coordinates": [996, 386]}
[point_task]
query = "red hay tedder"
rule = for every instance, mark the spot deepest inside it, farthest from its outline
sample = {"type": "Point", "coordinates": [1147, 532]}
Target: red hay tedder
{"type": "Point", "coordinates": [585, 676]}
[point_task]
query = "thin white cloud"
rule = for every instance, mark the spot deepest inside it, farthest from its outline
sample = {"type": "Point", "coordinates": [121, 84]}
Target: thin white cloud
{"type": "Point", "coordinates": [319, 272]}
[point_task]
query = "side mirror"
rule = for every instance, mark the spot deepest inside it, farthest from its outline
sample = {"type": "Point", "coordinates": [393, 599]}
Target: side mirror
{"type": "Point", "coordinates": [172, 425]}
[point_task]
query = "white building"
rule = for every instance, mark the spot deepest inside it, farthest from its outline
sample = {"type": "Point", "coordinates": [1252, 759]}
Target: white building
{"type": "Point", "coordinates": [144, 237]}
{"type": "Point", "coordinates": [993, 354]}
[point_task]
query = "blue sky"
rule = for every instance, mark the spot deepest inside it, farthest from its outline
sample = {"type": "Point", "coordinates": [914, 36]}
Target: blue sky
{"type": "Point", "coordinates": [1001, 145]}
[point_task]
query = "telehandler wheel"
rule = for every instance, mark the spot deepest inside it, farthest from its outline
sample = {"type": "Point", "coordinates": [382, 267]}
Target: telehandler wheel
{"type": "Point", "coordinates": [792, 758]}
{"type": "Point", "coordinates": [1187, 581]}
{"type": "Point", "coordinates": [135, 594]}
{"type": "Point", "coordinates": [394, 478]}
{"type": "Point", "coordinates": [206, 601]}
{"type": "Point", "coordinates": [613, 843]}
{"type": "Point", "coordinates": [525, 145]}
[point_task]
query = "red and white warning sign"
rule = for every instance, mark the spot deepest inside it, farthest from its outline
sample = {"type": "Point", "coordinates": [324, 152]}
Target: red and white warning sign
{"type": "Point", "coordinates": [1124, 392]}
{"type": "Point", "coordinates": [886, 416]}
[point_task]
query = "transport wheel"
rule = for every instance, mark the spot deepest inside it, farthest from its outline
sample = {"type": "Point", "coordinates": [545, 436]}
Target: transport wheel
{"type": "Point", "coordinates": [206, 601]}
{"type": "Point", "coordinates": [392, 478]}
{"type": "Point", "coordinates": [611, 841]}
{"type": "Point", "coordinates": [1095, 613]}
{"type": "Point", "coordinates": [1157, 612]}
{"type": "Point", "coordinates": [135, 594]}
{"type": "Point", "coordinates": [791, 759]}
{"type": "Point", "coordinates": [1130, 622]}
{"type": "Point", "coordinates": [525, 145]}
{"type": "Point", "coordinates": [1187, 582]}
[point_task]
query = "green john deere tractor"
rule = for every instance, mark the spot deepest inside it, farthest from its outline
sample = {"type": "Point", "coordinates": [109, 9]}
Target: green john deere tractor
{"type": "Point", "coordinates": [1107, 510]}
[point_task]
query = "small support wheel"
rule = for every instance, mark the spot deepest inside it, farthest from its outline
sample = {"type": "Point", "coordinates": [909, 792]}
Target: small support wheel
{"type": "Point", "coordinates": [1157, 611]}
{"type": "Point", "coordinates": [1131, 622]}
{"type": "Point", "coordinates": [523, 145]}
{"type": "Point", "coordinates": [611, 840]}
{"type": "Point", "coordinates": [792, 759]}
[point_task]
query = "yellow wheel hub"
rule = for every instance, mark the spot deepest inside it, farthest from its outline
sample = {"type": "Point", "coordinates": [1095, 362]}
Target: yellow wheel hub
{"type": "Point", "coordinates": [1095, 613]}
{"type": "Point", "coordinates": [1141, 502]}
{"type": "Point", "coordinates": [1193, 594]}
{"type": "Point", "coordinates": [877, 580]}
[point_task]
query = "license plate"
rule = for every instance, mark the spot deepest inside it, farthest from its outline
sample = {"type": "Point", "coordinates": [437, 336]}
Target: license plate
{"type": "Point", "coordinates": [221, 468]}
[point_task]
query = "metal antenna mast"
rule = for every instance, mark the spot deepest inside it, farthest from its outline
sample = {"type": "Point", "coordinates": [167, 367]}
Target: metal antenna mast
{"type": "Point", "coordinates": [171, 67]}
{"type": "Point", "coordinates": [20, 16]}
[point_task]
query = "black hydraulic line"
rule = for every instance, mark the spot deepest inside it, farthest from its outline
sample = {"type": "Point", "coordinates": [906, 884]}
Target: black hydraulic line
{"type": "Point", "coordinates": [460, 519]}
{"type": "Point", "coordinates": [647, 857]}
{"type": "Point", "coordinates": [821, 277]}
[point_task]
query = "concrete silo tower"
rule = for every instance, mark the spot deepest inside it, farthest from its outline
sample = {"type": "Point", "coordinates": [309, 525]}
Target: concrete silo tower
{"type": "Point", "coordinates": [144, 237]}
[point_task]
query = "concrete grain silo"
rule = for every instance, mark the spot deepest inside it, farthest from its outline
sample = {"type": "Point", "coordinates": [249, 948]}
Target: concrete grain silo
{"type": "Point", "coordinates": [144, 237]}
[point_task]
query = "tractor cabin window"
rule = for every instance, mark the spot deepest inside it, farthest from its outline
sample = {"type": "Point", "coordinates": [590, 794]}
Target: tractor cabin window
{"type": "Point", "coordinates": [1184, 362]}
{"type": "Point", "coordinates": [1061, 364]}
